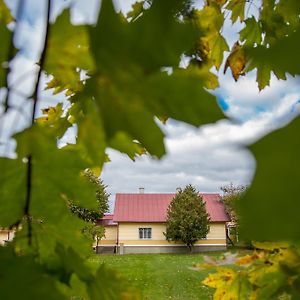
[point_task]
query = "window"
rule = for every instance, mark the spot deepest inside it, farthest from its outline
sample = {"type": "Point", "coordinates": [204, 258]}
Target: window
{"type": "Point", "coordinates": [145, 233]}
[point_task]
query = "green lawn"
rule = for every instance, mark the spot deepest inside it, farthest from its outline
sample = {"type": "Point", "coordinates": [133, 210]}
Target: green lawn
{"type": "Point", "coordinates": [160, 276]}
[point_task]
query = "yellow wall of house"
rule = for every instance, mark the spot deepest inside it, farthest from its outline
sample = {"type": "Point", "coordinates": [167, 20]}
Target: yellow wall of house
{"type": "Point", "coordinates": [110, 236]}
{"type": "Point", "coordinates": [130, 231]}
{"type": "Point", "coordinates": [129, 234]}
{"type": "Point", "coordinates": [217, 231]}
{"type": "Point", "coordinates": [4, 235]}
{"type": "Point", "coordinates": [111, 233]}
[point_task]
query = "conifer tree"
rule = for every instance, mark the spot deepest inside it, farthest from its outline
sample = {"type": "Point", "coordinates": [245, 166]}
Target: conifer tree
{"type": "Point", "coordinates": [187, 219]}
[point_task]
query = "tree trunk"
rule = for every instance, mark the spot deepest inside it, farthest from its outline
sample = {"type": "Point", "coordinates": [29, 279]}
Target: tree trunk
{"type": "Point", "coordinates": [97, 245]}
{"type": "Point", "coordinates": [229, 239]}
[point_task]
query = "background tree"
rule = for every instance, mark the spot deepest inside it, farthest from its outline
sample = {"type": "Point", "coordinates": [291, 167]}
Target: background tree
{"type": "Point", "coordinates": [231, 196]}
{"type": "Point", "coordinates": [232, 193]}
{"type": "Point", "coordinates": [102, 198]}
{"type": "Point", "coordinates": [187, 219]}
{"type": "Point", "coordinates": [96, 231]}
{"type": "Point", "coordinates": [93, 229]}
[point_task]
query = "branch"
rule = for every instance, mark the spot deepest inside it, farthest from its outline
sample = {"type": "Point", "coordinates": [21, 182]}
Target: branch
{"type": "Point", "coordinates": [42, 62]}
{"type": "Point", "coordinates": [35, 101]}
{"type": "Point", "coordinates": [11, 54]}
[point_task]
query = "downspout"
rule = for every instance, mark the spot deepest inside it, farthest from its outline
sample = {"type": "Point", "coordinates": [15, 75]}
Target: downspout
{"type": "Point", "coordinates": [117, 247]}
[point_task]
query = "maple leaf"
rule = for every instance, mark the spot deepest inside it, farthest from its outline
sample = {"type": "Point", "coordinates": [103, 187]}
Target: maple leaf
{"type": "Point", "coordinates": [237, 8]}
{"type": "Point", "coordinates": [236, 61]}
{"type": "Point", "coordinates": [252, 33]}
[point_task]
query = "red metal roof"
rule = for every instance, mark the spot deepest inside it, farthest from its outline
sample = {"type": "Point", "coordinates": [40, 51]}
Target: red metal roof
{"type": "Point", "coordinates": [153, 207]}
{"type": "Point", "coordinates": [108, 217]}
{"type": "Point", "coordinates": [107, 220]}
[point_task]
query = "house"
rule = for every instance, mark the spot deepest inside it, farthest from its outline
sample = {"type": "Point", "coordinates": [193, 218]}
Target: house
{"type": "Point", "coordinates": [6, 235]}
{"type": "Point", "coordinates": [139, 222]}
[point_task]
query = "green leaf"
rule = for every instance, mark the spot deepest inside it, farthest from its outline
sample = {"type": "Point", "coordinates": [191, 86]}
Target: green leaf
{"type": "Point", "coordinates": [105, 284]}
{"type": "Point", "coordinates": [91, 135]}
{"type": "Point", "coordinates": [67, 54]}
{"type": "Point", "coordinates": [219, 45]}
{"type": "Point", "coordinates": [282, 57]}
{"type": "Point", "coordinates": [252, 33]}
{"type": "Point", "coordinates": [263, 76]}
{"type": "Point", "coordinates": [123, 143]}
{"type": "Point", "coordinates": [181, 96]}
{"type": "Point", "coordinates": [22, 278]}
{"type": "Point", "coordinates": [109, 286]}
{"type": "Point", "coordinates": [117, 44]}
{"type": "Point", "coordinates": [6, 36]}
{"type": "Point", "coordinates": [237, 8]}
{"type": "Point", "coordinates": [136, 11]}
{"type": "Point", "coordinates": [56, 178]}
{"type": "Point", "coordinates": [270, 283]}
{"type": "Point", "coordinates": [55, 121]}
{"type": "Point", "coordinates": [211, 44]}
{"type": "Point", "coordinates": [5, 14]}
{"type": "Point", "coordinates": [46, 233]}
{"type": "Point", "coordinates": [130, 87]}
{"type": "Point", "coordinates": [63, 166]}
{"type": "Point", "coordinates": [279, 19]}
{"type": "Point", "coordinates": [289, 10]}
{"type": "Point", "coordinates": [209, 20]}
{"type": "Point", "coordinates": [127, 114]}
{"type": "Point", "coordinates": [121, 71]}
{"type": "Point", "coordinates": [270, 208]}
{"type": "Point", "coordinates": [66, 262]}
{"type": "Point", "coordinates": [12, 191]}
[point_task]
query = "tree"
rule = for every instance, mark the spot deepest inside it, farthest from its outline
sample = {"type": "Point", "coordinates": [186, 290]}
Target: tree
{"type": "Point", "coordinates": [118, 104]}
{"type": "Point", "coordinates": [231, 195]}
{"type": "Point", "coordinates": [94, 230]}
{"type": "Point", "coordinates": [187, 219]}
{"type": "Point", "coordinates": [102, 197]}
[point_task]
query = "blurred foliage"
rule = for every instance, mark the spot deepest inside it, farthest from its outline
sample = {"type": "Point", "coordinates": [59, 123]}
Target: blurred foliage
{"type": "Point", "coordinates": [272, 198]}
{"type": "Point", "coordinates": [122, 77]}
{"type": "Point", "coordinates": [270, 272]}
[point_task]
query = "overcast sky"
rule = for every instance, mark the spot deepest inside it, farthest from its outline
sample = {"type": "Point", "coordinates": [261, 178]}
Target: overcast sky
{"type": "Point", "coordinates": [207, 157]}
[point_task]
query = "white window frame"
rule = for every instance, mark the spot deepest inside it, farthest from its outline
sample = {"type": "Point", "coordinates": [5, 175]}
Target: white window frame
{"type": "Point", "coordinates": [145, 233]}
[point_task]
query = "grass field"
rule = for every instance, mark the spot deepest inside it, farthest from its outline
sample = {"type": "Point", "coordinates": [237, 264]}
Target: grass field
{"type": "Point", "coordinates": [161, 276]}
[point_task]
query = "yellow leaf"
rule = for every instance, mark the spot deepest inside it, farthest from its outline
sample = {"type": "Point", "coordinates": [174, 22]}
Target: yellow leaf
{"type": "Point", "coordinates": [269, 245]}
{"type": "Point", "coordinates": [224, 276]}
{"type": "Point", "coordinates": [236, 61]}
{"type": "Point", "coordinates": [247, 259]}
{"type": "Point", "coordinates": [96, 171]}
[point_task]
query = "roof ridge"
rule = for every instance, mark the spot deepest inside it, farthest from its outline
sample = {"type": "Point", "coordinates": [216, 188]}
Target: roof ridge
{"type": "Point", "coordinates": [169, 193]}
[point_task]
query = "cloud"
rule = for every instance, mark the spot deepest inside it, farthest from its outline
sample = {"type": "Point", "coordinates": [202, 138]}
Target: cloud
{"type": "Point", "coordinates": [243, 99]}
{"type": "Point", "coordinates": [207, 157]}
{"type": "Point", "coordinates": [195, 156]}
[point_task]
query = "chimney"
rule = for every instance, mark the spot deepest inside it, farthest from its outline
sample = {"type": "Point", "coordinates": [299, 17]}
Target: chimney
{"type": "Point", "coordinates": [141, 190]}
